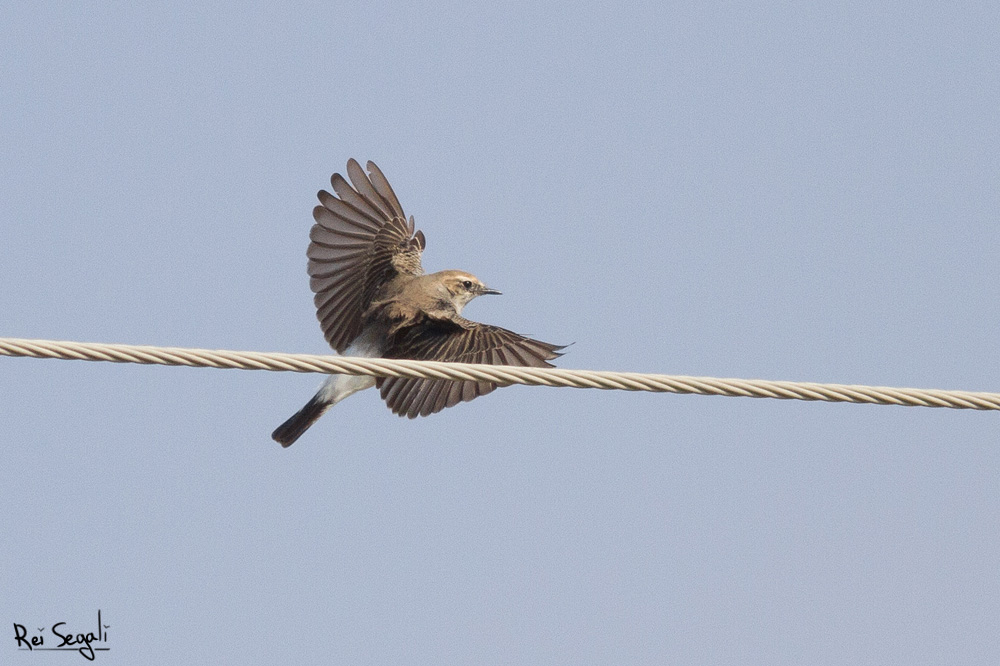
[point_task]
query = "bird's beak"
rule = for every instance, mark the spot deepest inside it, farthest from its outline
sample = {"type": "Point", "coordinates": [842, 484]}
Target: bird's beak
{"type": "Point", "coordinates": [487, 290]}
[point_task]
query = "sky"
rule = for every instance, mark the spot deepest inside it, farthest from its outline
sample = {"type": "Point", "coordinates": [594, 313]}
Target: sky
{"type": "Point", "coordinates": [773, 190]}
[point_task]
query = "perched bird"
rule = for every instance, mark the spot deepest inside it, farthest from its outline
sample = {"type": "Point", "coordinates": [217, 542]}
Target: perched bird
{"type": "Point", "coordinates": [374, 300]}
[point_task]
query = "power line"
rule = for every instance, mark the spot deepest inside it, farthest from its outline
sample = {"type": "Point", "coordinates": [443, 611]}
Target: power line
{"type": "Point", "coordinates": [502, 375]}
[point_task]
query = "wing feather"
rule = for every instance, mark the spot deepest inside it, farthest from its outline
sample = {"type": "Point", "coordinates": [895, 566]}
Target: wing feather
{"type": "Point", "coordinates": [349, 194]}
{"type": "Point", "coordinates": [384, 189]}
{"type": "Point", "coordinates": [366, 190]}
{"type": "Point", "coordinates": [465, 342]}
{"type": "Point", "coordinates": [341, 210]}
{"type": "Point", "coordinates": [361, 241]}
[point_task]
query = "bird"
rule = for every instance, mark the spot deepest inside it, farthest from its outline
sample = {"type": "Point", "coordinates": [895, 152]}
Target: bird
{"type": "Point", "coordinates": [373, 299]}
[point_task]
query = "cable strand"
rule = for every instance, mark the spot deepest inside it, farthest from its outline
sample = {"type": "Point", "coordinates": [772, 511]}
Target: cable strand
{"type": "Point", "coordinates": [503, 375]}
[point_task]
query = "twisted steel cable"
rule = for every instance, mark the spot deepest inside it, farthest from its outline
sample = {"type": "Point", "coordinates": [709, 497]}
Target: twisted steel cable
{"type": "Point", "coordinates": [503, 375]}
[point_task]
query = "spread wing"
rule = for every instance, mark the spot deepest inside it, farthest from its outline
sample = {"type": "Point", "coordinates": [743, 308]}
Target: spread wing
{"type": "Point", "coordinates": [463, 341]}
{"type": "Point", "coordinates": [361, 241]}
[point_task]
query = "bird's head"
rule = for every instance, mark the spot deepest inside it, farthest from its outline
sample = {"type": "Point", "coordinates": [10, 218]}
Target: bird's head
{"type": "Point", "coordinates": [462, 287]}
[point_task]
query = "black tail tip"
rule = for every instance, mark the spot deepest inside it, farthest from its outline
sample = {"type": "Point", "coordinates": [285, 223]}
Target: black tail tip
{"type": "Point", "coordinates": [288, 432]}
{"type": "Point", "coordinates": [292, 429]}
{"type": "Point", "coordinates": [283, 437]}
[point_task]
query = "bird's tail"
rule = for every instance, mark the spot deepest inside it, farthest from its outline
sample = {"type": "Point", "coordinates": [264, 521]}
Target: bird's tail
{"type": "Point", "coordinates": [292, 429]}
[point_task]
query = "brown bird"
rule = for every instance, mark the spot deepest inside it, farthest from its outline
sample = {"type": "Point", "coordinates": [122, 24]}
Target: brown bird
{"type": "Point", "coordinates": [374, 300]}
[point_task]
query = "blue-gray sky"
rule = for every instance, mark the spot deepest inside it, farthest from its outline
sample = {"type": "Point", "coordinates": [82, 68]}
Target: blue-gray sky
{"type": "Point", "coordinates": [773, 190]}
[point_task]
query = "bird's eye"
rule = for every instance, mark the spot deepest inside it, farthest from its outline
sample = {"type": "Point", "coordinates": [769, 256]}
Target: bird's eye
{"type": "Point", "coordinates": [467, 284]}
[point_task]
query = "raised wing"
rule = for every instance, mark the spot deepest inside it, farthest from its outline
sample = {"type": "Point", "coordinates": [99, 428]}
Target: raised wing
{"type": "Point", "coordinates": [361, 241]}
{"type": "Point", "coordinates": [465, 342]}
